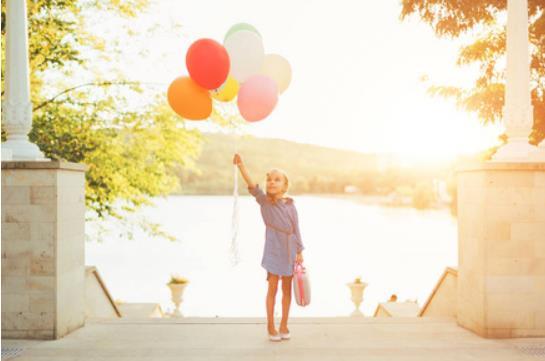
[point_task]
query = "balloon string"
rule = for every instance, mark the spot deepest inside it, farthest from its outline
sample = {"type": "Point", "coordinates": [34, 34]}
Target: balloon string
{"type": "Point", "coordinates": [235, 218]}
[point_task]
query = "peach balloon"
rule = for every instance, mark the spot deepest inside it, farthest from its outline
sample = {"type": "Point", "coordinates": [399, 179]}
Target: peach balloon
{"type": "Point", "coordinates": [278, 69]}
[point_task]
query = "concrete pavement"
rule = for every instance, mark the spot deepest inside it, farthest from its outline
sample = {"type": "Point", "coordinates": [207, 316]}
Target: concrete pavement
{"type": "Point", "coordinates": [313, 339]}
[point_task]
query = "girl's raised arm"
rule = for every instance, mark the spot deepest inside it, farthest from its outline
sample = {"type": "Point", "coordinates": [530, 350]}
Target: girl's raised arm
{"type": "Point", "coordinates": [237, 159]}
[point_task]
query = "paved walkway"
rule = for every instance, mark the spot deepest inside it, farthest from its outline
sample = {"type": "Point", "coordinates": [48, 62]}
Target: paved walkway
{"type": "Point", "coordinates": [315, 339]}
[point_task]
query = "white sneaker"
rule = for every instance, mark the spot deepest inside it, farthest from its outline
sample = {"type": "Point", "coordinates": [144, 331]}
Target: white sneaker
{"type": "Point", "coordinates": [285, 336]}
{"type": "Point", "coordinates": [275, 338]}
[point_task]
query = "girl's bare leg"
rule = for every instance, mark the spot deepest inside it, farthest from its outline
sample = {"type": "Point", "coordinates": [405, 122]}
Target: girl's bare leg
{"type": "Point", "coordinates": [286, 302]}
{"type": "Point", "coordinates": [271, 297]}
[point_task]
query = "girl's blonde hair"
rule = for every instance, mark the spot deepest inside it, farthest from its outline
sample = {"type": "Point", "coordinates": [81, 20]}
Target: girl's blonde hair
{"type": "Point", "coordinates": [283, 174]}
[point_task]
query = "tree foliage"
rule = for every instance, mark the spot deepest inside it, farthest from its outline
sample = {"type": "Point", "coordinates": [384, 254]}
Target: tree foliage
{"type": "Point", "coordinates": [481, 21]}
{"type": "Point", "coordinates": [133, 153]}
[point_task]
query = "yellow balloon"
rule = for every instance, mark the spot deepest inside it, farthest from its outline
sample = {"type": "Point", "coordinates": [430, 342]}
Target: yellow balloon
{"type": "Point", "coordinates": [227, 91]}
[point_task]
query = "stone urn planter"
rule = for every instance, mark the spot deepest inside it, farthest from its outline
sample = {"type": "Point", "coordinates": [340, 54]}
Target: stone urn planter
{"type": "Point", "coordinates": [177, 286]}
{"type": "Point", "coordinates": [357, 287]}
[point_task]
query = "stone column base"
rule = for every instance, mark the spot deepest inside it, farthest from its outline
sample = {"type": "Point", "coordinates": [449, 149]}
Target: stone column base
{"type": "Point", "coordinates": [43, 265]}
{"type": "Point", "coordinates": [501, 247]}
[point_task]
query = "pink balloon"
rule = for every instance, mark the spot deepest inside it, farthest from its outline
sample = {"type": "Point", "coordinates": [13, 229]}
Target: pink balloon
{"type": "Point", "coordinates": [257, 97]}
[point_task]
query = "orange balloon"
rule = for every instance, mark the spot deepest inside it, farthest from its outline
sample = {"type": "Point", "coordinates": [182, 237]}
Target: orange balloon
{"type": "Point", "coordinates": [188, 99]}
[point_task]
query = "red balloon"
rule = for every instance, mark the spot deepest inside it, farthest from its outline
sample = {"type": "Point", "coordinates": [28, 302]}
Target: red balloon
{"type": "Point", "coordinates": [208, 63]}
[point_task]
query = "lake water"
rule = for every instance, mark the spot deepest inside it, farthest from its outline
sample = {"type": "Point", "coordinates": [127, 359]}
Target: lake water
{"type": "Point", "coordinates": [394, 250]}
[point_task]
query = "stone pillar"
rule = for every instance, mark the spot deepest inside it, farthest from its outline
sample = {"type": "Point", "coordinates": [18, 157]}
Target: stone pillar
{"type": "Point", "coordinates": [501, 249]}
{"type": "Point", "coordinates": [16, 105]}
{"type": "Point", "coordinates": [43, 273]}
{"type": "Point", "coordinates": [518, 110]}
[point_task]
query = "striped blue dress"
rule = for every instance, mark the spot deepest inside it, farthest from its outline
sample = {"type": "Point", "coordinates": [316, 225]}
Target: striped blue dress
{"type": "Point", "coordinates": [282, 235]}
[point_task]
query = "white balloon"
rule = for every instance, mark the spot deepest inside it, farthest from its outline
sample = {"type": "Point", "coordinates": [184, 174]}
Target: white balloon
{"type": "Point", "coordinates": [278, 69]}
{"type": "Point", "coordinates": [246, 53]}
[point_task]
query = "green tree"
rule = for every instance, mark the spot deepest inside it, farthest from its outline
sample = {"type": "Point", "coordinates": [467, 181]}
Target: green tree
{"type": "Point", "coordinates": [133, 153]}
{"type": "Point", "coordinates": [480, 20]}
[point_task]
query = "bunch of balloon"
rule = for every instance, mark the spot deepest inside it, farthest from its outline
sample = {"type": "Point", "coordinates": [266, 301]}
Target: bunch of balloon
{"type": "Point", "coordinates": [237, 69]}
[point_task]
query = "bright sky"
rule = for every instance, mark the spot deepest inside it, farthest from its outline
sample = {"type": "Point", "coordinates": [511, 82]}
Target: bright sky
{"type": "Point", "coordinates": [356, 72]}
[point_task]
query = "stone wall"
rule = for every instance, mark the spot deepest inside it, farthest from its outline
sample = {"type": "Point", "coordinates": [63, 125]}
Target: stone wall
{"type": "Point", "coordinates": [98, 301]}
{"type": "Point", "coordinates": [43, 220]}
{"type": "Point", "coordinates": [443, 299]}
{"type": "Point", "coordinates": [501, 233]}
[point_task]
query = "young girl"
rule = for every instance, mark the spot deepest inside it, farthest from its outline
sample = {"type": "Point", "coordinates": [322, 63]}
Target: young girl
{"type": "Point", "coordinates": [283, 245]}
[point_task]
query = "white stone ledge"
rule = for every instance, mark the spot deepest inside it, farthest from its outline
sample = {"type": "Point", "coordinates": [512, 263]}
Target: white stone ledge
{"type": "Point", "coordinates": [49, 164]}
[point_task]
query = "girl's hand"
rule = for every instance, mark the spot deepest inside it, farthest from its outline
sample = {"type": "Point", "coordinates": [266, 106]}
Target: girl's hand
{"type": "Point", "coordinates": [237, 159]}
{"type": "Point", "coordinates": [299, 257]}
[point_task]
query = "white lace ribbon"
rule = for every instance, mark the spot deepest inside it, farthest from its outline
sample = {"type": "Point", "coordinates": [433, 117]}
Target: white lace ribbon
{"type": "Point", "coordinates": [235, 259]}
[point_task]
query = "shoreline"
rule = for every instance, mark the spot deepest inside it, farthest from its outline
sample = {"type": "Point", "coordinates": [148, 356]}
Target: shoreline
{"type": "Point", "coordinates": [372, 200]}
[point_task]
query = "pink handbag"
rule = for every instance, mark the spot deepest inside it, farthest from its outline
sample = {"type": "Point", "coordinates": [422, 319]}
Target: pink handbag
{"type": "Point", "coordinates": [301, 285]}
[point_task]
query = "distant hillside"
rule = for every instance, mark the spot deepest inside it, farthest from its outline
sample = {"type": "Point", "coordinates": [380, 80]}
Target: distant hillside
{"type": "Point", "coordinates": [311, 169]}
